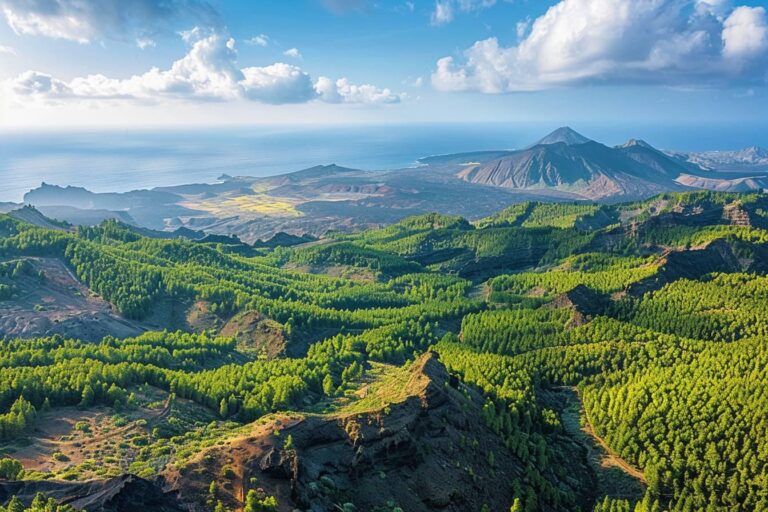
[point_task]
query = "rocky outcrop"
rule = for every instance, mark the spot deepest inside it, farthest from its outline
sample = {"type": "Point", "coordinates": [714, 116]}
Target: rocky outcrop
{"type": "Point", "coordinates": [407, 455]}
{"type": "Point", "coordinates": [717, 256]}
{"type": "Point", "coordinates": [283, 239]}
{"type": "Point", "coordinates": [706, 212]}
{"type": "Point", "coordinates": [736, 215]}
{"type": "Point", "coordinates": [256, 334]}
{"type": "Point", "coordinates": [583, 301]}
{"type": "Point", "coordinates": [428, 452]}
{"type": "Point", "coordinates": [126, 493]}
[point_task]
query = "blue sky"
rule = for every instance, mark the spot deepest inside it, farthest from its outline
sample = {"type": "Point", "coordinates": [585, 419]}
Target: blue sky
{"type": "Point", "coordinates": [195, 62]}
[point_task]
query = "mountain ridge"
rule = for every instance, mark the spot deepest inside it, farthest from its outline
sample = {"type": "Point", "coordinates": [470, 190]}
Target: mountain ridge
{"type": "Point", "coordinates": [595, 171]}
{"type": "Point", "coordinates": [564, 165]}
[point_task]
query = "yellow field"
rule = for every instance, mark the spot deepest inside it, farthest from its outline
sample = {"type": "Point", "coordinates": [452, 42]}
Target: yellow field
{"type": "Point", "coordinates": [264, 204]}
{"type": "Point", "coordinates": [260, 204]}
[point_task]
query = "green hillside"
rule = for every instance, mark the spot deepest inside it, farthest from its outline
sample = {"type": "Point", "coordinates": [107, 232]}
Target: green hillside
{"type": "Point", "coordinates": [636, 331]}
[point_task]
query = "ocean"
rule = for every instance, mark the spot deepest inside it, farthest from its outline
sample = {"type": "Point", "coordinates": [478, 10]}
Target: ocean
{"type": "Point", "coordinates": [121, 160]}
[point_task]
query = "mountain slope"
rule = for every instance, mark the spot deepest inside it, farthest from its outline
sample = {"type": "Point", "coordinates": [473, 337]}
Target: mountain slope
{"type": "Point", "coordinates": [648, 156]}
{"type": "Point", "coordinates": [417, 440]}
{"type": "Point", "coordinates": [564, 134]}
{"type": "Point", "coordinates": [117, 494]}
{"type": "Point", "coordinates": [590, 169]}
{"type": "Point", "coordinates": [744, 184]}
{"type": "Point", "coordinates": [750, 158]}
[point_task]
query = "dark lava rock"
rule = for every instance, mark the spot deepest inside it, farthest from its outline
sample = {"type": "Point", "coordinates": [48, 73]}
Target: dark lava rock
{"type": "Point", "coordinates": [125, 493]}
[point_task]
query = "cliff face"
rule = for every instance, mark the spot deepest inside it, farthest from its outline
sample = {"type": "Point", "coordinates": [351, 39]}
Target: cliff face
{"type": "Point", "coordinates": [407, 454]}
{"type": "Point", "coordinates": [427, 452]}
{"type": "Point", "coordinates": [583, 302]}
{"type": "Point", "coordinates": [717, 256]}
{"type": "Point", "coordinates": [126, 493]}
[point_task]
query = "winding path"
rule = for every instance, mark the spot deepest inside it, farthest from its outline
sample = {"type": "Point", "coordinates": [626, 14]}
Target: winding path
{"type": "Point", "coordinates": [614, 457]}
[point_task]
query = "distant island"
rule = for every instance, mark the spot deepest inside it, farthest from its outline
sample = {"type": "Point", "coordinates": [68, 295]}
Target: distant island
{"type": "Point", "coordinates": [562, 166]}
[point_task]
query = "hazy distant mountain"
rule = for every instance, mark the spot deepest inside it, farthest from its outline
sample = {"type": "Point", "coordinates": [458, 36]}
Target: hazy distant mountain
{"type": "Point", "coordinates": [743, 159]}
{"type": "Point", "coordinates": [84, 217]}
{"type": "Point", "coordinates": [6, 207]}
{"type": "Point", "coordinates": [463, 158]}
{"type": "Point", "coordinates": [321, 171]}
{"type": "Point", "coordinates": [79, 197]}
{"type": "Point", "coordinates": [147, 208]}
{"type": "Point", "coordinates": [563, 166]}
{"type": "Point", "coordinates": [648, 156]}
{"type": "Point", "coordinates": [745, 184]}
{"type": "Point", "coordinates": [566, 135]}
{"type": "Point", "coordinates": [566, 160]}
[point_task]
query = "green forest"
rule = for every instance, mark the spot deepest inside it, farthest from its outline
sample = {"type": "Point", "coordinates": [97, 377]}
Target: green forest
{"type": "Point", "coordinates": [654, 314]}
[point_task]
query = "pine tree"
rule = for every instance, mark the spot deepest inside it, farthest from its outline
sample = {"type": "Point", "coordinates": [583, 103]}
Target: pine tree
{"type": "Point", "coordinates": [328, 387]}
{"type": "Point", "coordinates": [88, 396]}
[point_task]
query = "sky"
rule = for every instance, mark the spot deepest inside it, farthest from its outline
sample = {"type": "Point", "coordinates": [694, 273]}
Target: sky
{"type": "Point", "coordinates": [153, 63]}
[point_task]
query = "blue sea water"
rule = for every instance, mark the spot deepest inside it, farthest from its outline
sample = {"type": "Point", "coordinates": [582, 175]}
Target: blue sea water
{"type": "Point", "coordinates": [121, 160]}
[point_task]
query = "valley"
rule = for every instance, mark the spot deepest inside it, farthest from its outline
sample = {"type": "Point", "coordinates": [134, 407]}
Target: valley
{"type": "Point", "coordinates": [383, 256]}
{"type": "Point", "coordinates": [527, 360]}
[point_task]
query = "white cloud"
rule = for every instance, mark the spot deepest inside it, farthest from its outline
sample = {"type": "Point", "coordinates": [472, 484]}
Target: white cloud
{"type": "Point", "coordinates": [443, 12]}
{"type": "Point", "coordinates": [208, 72]}
{"type": "Point", "coordinates": [144, 42]}
{"type": "Point", "coordinates": [293, 53]}
{"type": "Point", "coordinates": [617, 41]}
{"type": "Point", "coordinates": [36, 84]}
{"type": "Point", "coordinates": [341, 91]}
{"type": "Point", "coordinates": [259, 40]}
{"type": "Point", "coordinates": [278, 83]}
{"type": "Point", "coordinates": [7, 49]}
{"type": "Point", "coordinates": [745, 33]}
{"type": "Point", "coordinates": [717, 8]}
{"type": "Point", "coordinates": [86, 20]}
{"type": "Point", "coordinates": [521, 28]}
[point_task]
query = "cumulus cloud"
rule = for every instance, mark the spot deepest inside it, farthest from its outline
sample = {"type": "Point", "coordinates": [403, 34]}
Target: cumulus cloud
{"type": "Point", "coordinates": [293, 53]}
{"type": "Point", "coordinates": [7, 49]}
{"type": "Point", "coordinates": [521, 28]}
{"type": "Point", "coordinates": [341, 91]}
{"type": "Point", "coordinates": [716, 8]}
{"type": "Point", "coordinates": [86, 20]}
{"type": "Point", "coordinates": [676, 42]}
{"type": "Point", "coordinates": [278, 83]}
{"type": "Point", "coordinates": [208, 72]}
{"type": "Point", "coordinates": [34, 83]}
{"type": "Point", "coordinates": [259, 40]}
{"type": "Point", "coordinates": [745, 33]}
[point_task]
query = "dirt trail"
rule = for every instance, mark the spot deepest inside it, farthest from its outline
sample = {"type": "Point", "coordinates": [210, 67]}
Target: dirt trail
{"type": "Point", "coordinates": [612, 458]}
